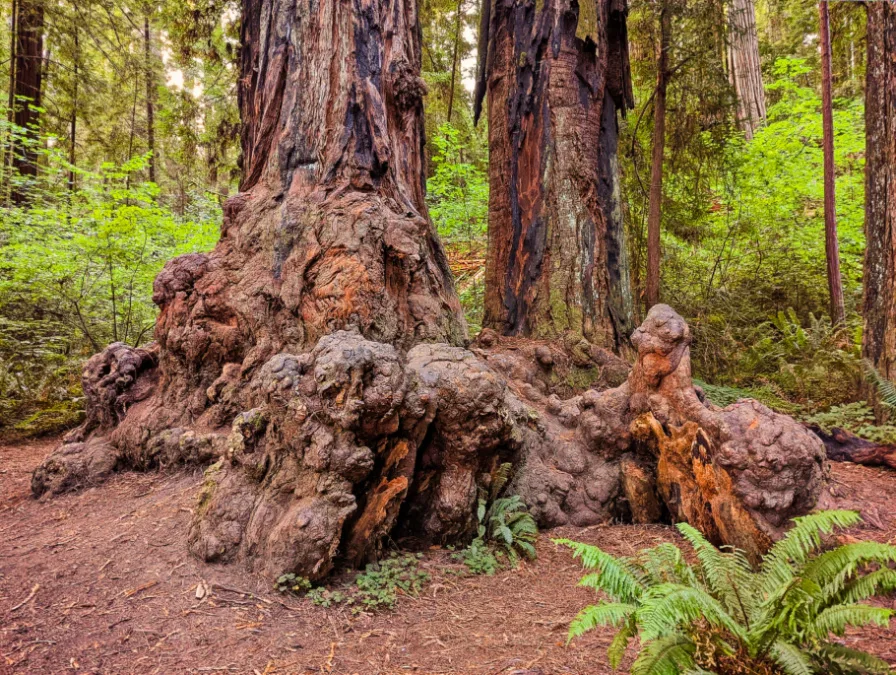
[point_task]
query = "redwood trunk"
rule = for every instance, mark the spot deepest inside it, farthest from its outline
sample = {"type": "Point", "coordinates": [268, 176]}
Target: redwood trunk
{"type": "Point", "coordinates": [306, 355]}
{"type": "Point", "coordinates": [555, 74]}
{"type": "Point", "coordinates": [746, 69]}
{"type": "Point", "coordinates": [879, 337]}
{"type": "Point", "coordinates": [655, 208]}
{"type": "Point", "coordinates": [28, 65]}
{"type": "Point", "coordinates": [832, 246]}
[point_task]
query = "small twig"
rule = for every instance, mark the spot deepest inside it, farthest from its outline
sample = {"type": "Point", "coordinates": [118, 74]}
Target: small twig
{"type": "Point", "coordinates": [28, 599]}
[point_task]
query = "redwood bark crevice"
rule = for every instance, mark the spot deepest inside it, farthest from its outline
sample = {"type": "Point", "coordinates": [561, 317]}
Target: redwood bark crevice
{"type": "Point", "coordinates": [556, 257]}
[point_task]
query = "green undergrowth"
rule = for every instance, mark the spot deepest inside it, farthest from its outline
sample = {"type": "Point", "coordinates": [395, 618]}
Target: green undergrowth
{"type": "Point", "coordinates": [377, 588]}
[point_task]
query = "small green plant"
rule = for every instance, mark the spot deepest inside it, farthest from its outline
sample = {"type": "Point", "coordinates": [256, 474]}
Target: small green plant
{"type": "Point", "coordinates": [290, 583]}
{"type": "Point", "coordinates": [380, 584]}
{"type": "Point", "coordinates": [505, 527]}
{"type": "Point", "coordinates": [479, 558]}
{"type": "Point", "coordinates": [378, 587]}
{"type": "Point", "coordinates": [720, 615]}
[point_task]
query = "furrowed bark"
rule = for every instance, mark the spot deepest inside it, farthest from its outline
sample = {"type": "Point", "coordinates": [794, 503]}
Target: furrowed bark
{"type": "Point", "coordinates": [832, 245]}
{"type": "Point", "coordinates": [746, 69]}
{"type": "Point", "coordinates": [879, 336]}
{"type": "Point", "coordinates": [28, 68]}
{"type": "Point", "coordinates": [555, 73]}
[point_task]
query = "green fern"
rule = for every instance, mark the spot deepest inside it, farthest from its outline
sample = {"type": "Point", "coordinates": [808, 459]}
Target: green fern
{"type": "Point", "coordinates": [722, 616]}
{"type": "Point", "coordinates": [886, 390]}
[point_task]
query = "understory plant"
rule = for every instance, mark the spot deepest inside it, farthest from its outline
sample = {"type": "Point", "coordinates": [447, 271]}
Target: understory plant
{"type": "Point", "coordinates": [505, 528]}
{"type": "Point", "coordinates": [378, 587]}
{"type": "Point", "coordinates": [721, 615]}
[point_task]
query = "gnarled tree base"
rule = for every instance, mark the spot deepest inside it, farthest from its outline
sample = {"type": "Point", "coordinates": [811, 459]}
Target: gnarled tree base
{"type": "Point", "coordinates": [353, 440]}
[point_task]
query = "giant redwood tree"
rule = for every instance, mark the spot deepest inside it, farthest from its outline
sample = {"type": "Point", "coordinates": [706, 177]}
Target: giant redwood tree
{"type": "Point", "coordinates": [313, 358]}
{"type": "Point", "coordinates": [879, 337]}
{"type": "Point", "coordinates": [555, 73]}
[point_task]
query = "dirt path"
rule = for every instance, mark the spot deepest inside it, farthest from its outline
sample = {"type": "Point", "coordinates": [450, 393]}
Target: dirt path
{"type": "Point", "coordinates": [116, 593]}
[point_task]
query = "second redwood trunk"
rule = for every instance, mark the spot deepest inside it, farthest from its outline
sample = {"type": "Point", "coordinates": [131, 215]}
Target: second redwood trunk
{"type": "Point", "coordinates": [555, 73]}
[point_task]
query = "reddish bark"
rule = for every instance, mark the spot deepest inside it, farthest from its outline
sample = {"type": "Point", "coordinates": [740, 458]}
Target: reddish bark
{"type": "Point", "coordinates": [879, 337]}
{"type": "Point", "coordinates": [555, 73]}
{"type": "Point", "coordinates": [832, 246]}
{"type": "Point", "coordinates": [655, 198]}
{"type": "Point", "coordinates": [27, 75]}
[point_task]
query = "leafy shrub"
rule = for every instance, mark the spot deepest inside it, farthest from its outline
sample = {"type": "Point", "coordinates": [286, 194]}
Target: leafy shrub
{"type": "Point", "coordinates": [378, 587]}
{"type": "Point", "coordinates": [457, 192]}
{"type": "Point", "coordinates": [720, 615]}
{"type": "Point", "coordinates": [479, 558]}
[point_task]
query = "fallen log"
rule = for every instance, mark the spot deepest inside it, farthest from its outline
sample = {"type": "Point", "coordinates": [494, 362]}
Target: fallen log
{"type": "Point", "coordinates": [844, 446]}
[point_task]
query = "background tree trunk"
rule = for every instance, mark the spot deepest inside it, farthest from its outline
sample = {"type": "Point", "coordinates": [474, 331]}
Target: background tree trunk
{"type": "Point", "coordinates": [655, 208]}
{"type": "Point", "coordinates": [879, 337]}
{"type": "Point", "coordinates": [746, 69]}
{"type": "Point", "coordinates": [555, 74]}
{"type": "Point", "coordinates": [149, 74]}
{"type": "Point", "coordinates": [832, 245]}
{"type": "Point", "coordinates": [28, 64]}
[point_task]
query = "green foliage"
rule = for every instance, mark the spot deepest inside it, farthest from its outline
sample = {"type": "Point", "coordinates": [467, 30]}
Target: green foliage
{"type": "Point", "coordinates": [720, 615]}
{"type": "Point", "coordinates": [479, 558]}
{"type": "Point", "coordinates": [378, 587]}
{"type": "Point", "coordinates": [290, 583]}
{"type": "Point", "coordinates": [457, 191]}
{"type": "Point", "coordinates": [784, 362]}
{"type": "Point", "coordinates": [76, 273]}
{"type": "Point", "coordinates": [505, 527]}
{"type": "Point", "coordinates": [855, 417]}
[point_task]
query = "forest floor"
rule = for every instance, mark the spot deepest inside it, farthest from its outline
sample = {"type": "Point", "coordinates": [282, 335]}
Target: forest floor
{"type": "Point", "coordinates": [101, 582]}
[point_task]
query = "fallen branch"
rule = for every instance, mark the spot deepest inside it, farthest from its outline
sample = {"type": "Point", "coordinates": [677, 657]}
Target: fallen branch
{"type": "Point", "coordinates": [28, 599]}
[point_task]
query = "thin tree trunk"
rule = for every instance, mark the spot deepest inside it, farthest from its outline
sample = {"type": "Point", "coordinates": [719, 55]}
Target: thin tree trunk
{"type": "Point", "coordinates": [556, 256]}
{"type": "Point", "coordinates": [457, 25]}
{"type": "Point", "coordinates": [654, 215]}
{"type": "Point", "coordinates": [832, 247]}
{"type": "Point", "coordinates": [746, 70]}
{"type": "Point", "coordinates": [73, 123]}
{"type": "Point", "coordinates": [28, 58]}
{"type": "Point", "coordinates": [150, 98]}
{"type": "Point", "coordinates": [879, 336]}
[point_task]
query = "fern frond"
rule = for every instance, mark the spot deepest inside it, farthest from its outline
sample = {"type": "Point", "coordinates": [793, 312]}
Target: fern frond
{"type": "Point", "coordinates": [619, 645]}
{"type": "Point", "coordinates": [666, 607]}
{"type": "Point", "coordinates": [669, 655]}
{"type": "Point", "coordinates": [791, 659]}
{"type": "Point", "coordinates": [664, 564]}
{"type": "Point", "coordinates": [833, 569]}
{"type": "Point", "coordinates": [617, 577]}
{"type": "Point", "coordinates": [853, 660]}
{"type": "Point", "coordinates": [886, 390]}
{"type": "Point", "coordinates": [798, 544]}
{"type": "Point", "coordinates": [838, 618]}
{"type": "Point", "coordinates": [729, 575]}
{"type": "Point", "coordinates": [500, 478]}
{"type": "Point", "coordinates": [867, 586]}
{"type": "Point", "coordinates": [613, 614]}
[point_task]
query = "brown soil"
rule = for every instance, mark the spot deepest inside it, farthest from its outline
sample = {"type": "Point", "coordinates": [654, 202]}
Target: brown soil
{"type": "Point", "coordinates": [116, 593]}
